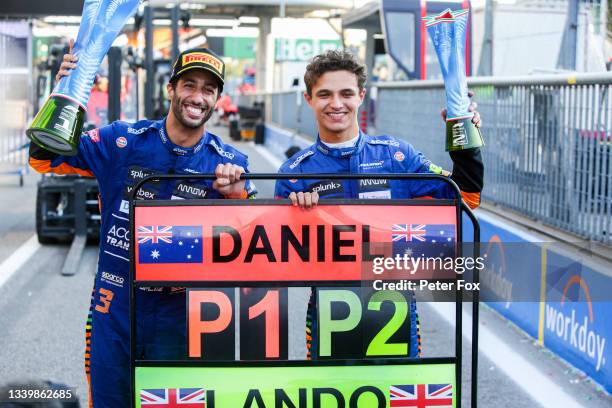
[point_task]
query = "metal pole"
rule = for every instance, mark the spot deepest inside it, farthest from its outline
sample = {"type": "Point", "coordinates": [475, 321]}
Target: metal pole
{"type": "Point", "coordinates": [31, 95]}
{"type": "Point", "coordinates": [370, 51]}
{"type": "Point", "coordinates": [603, 25]}
{"type": "Point", "coordinates": [573, 34]}
{"type": "Point", "coordinates": [567, 54]}
{"type": "Point", "coordinates": [175, 13]}
{"type": "Point", "coordinates": [114, 84]}
{"type": "Point", "coordinates": [149, 64]}
{"type": "Point", "coordinates": [475, 308]}
{"type": "Point", "coordinates": [265, 27]}
{"type": "Point", "coordinates": [282, 11]}
{"type": "Point", "coordinates": [574, 79]}
{"type": "Point", "coordinates": [485, 67]}
{"type": "Point", "coordinates": [71, 263]}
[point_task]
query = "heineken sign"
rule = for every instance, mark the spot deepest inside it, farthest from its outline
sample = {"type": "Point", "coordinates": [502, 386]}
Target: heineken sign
{"type": "Point", "coordinates": [292, 49]}
{"type": "Point", "coordinates": [316, 386]}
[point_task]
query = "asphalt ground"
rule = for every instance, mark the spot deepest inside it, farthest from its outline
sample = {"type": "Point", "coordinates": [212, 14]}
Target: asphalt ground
{"type": "Point", "coordinates": [42, 319]}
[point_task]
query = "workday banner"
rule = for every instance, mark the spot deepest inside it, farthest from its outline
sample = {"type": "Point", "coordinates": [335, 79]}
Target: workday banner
{"type": "Point", "coordinates": [577, 322]}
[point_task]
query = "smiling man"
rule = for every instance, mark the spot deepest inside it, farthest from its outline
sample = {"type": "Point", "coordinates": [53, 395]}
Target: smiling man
{"type": "Point", "coordinates": [335, 89]}
{"type": "Point", "coordinates": [120, 155]}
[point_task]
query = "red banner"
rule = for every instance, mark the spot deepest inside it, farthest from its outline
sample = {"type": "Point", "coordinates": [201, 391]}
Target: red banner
{"type": "Point", "coordinates": [278, 242]}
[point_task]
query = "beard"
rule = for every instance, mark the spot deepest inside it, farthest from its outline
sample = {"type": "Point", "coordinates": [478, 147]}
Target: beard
{"type": "Point", "coordinates": [181, 116]}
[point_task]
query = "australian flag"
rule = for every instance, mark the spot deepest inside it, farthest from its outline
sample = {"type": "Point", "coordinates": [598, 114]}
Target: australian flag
{"type": "Point", "coordinates": [423, 240]}
{"type": "Point", "coordinates": [169, 244]}
{"type": "Point", "coordinates": [421, 395]}
{"type": "Point", "coordinates": [173, 398]}
{"type": "Point", "coordinates": [423, 233]}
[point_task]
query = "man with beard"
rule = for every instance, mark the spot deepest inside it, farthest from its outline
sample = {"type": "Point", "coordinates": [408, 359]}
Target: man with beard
{"type": "Point", "coordinates": [119, 155]}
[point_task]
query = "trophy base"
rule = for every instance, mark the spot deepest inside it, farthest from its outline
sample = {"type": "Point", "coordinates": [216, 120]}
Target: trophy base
{"type": "Point", "coordinates": [462, 134]}
{"type": "Point", "coordinates": [57, 126]}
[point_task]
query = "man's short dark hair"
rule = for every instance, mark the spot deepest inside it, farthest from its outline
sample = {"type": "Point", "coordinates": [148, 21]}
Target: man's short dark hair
{"type": "Point", "coordinates": [334, 60]}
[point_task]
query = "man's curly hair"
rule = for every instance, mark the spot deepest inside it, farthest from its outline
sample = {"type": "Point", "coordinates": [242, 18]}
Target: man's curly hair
{"type": "Point", "coordinates": [333, 60]}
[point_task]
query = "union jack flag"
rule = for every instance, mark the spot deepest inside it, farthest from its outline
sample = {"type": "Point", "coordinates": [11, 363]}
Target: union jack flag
{"type": "Point", "coordinates": [408, 232]}
{"type": "Point", "coordinates": [421, 395]}
{"type": "Point", "coordinates": [154, 234]}
{"type": "Point", "coordinates": [173, 398]}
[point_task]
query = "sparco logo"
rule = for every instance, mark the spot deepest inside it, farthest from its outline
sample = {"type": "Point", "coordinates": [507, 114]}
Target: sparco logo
{"type": "Point", "coordinates": [300, 158]}
{"type": "Point", "coordinates": [221, 151]}
{"type": "Point", "coordinates": [386, 142]}
{"type": "Point", "coordinates": [133, 131]}
{"type": "Point", "coordinates": [162, 134]}
{"type": "Point", "coordinates": [112, 279]}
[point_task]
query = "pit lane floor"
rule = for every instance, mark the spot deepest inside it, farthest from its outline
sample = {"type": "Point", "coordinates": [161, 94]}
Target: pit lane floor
{"type": "Point", "coordinates": [42, 319]}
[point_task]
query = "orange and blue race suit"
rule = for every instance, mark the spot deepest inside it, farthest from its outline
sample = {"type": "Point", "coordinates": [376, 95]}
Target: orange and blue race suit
{"type": "Point", "coordinates": [118, 156]}
{"type": "Point", "coordinates": [379, 154]}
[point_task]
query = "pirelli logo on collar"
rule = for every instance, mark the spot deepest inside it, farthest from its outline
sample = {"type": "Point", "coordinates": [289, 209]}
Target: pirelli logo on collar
{"type": "Point", "coordinates": [204, 58]}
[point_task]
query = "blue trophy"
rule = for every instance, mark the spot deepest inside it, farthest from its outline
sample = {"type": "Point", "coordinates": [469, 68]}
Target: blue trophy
{"type": "Point", "coordinates": [57, 126]}
{"type": "Point", "coordinates": [447, 31]}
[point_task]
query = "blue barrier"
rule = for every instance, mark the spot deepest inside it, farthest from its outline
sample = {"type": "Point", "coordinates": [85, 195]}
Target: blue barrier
{"type": "Point", "coordinates": [278, 140]}
{"type": "Point", "coordinates": [576, 327]}
{"type": "Point", "coordinates": [573, 318]}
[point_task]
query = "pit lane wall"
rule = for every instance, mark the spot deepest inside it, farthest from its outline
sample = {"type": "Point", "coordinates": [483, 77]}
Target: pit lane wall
{"type": "Point", "coordinates": [569, 317]}
{"type": "Point", "coordinates": [278, 140]}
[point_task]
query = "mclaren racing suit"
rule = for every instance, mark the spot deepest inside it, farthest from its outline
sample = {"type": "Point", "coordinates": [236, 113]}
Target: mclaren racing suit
{"type": "Point", "coordinates": [379, 154]}
{"type": "Point", "coordinates": [119, 155]}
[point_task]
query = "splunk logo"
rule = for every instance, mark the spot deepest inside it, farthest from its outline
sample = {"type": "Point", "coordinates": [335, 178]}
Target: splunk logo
{"type": "Point", "coordinates": [575, 326]}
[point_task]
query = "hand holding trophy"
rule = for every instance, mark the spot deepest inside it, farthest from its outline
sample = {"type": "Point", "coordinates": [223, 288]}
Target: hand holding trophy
{"type": "Point", "coordinates": [447, 32]}
{"type": "Point", "coordinates": [57, 126]}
